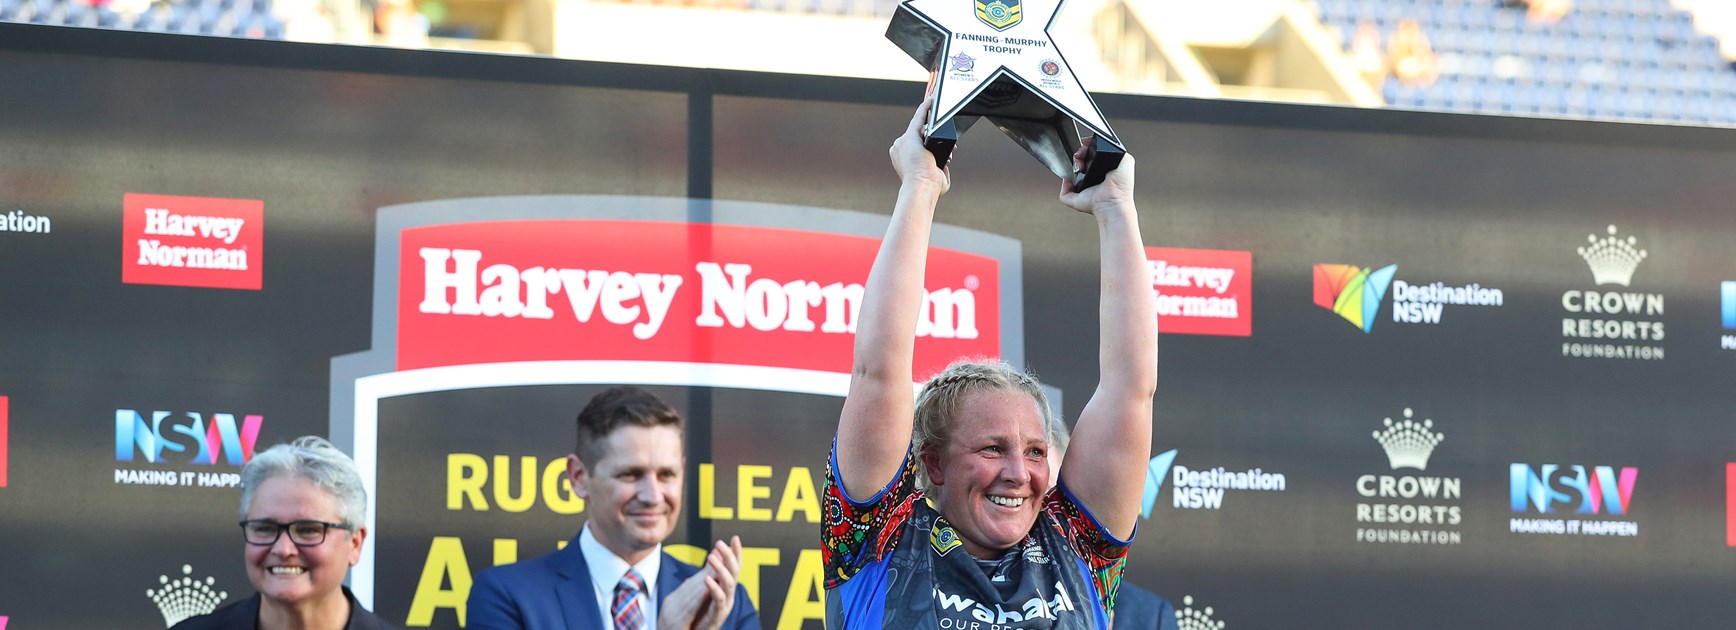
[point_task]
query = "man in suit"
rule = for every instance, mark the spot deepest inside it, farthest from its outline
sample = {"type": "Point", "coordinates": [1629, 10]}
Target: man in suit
{"type": "Point", "coordinates": [614, 575]}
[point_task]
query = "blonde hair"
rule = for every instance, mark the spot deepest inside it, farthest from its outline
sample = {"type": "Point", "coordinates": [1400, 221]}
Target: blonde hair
{"type": "Point", "coordinates": [937, 405]}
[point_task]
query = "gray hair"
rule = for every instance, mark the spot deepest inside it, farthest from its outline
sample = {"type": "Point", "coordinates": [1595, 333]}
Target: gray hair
{"type": "Point", "coordinates": [937, 405]}
{"type": "Point", "coordinates": [314, 459]}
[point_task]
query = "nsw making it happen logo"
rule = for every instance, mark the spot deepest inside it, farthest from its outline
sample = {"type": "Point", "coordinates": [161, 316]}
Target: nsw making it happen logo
{"type": "Point", "coordinates": [1589, 491]}
{"type": "Point", "coordinates": [165, 438]}
{"type": "Point", "coordinates": [1727, 308]}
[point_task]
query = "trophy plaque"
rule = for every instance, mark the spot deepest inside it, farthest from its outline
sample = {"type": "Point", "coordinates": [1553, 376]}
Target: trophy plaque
{"type": "Point", "coordinates": [995, 59]}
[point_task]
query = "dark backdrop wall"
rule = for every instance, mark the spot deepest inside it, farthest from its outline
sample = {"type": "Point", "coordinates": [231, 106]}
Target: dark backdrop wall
{"type": "Point", "coordinates": [1530, 357]}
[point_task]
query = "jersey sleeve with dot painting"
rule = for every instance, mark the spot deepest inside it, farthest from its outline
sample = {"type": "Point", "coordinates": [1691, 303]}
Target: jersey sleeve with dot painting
{"type": "Point", "coordinates": [852, 534]}
{"type": "Point", "coordinates": [1103, 553]}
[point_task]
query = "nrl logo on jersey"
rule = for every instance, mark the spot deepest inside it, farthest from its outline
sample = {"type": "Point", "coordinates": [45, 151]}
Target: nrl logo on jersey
{"type": "Point", "coordinates": [1000, 14]}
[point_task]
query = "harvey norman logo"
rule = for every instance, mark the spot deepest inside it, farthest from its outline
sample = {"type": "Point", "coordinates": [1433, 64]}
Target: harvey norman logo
{"type": "Point", "coordinates": [192, 241]}
{"type": "Point", "coordinates": [1203, 291]}
{"type": "Point", "coordinates": [647, 291]}
{"type": "Point", "coordinates": [1355, 294]}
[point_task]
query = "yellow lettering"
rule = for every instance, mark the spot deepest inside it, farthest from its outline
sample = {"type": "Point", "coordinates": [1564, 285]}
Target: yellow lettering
{"type": "Point", "coordinates": [708, 495]}
{"type": "Point", "coordinates": [445, 563]}
{"type": "Point", "coordinates": [752, 558]}
{"type": "Point", "coordinates": [747, 491]}
{"type": "Point", "coordinates": [807, 597]}
{"type": "Point", "coordinates": [505, 551]}
{"type": "Point", "coordinates": [686, 553]}
{"type": "Point", "coordinates": [465, 474]}
{"type": "Point", "coordinates": [557, 489]}
{"type": "Point", "coordinates": [799, 496]}
{"type": "Point", "coordinates": [503, 484]}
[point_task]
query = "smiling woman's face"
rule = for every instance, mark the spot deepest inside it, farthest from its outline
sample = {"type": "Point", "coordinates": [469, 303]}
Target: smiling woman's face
{"type": "Point", "coordinates": [990, 476]}
{"type": "Point", "coordinates": [289, 573]}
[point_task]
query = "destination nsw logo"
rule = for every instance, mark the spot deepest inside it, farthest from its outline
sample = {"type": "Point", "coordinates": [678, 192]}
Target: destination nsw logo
{"type": "Point", "coordinates": [1606, 324]}
{"type": "Point", "coordinates": [1201, 489]}
{"type": "Point", "coordinates": [1203, 291]}
{"type": "Point", "coordinates": [169, 438]}
{"type": "Point", "coordinates": [192, 241]}
{"type": "Point", "coordinates": [1412, 509]}
{"type": "Point", "coordinates": [1355, 294]}
{"type": "Point", "coordinates": [1579, 490]}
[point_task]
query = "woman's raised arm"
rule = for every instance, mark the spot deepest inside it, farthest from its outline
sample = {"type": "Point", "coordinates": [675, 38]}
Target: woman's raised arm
{"type": "Point", "coordinates": [1105, 464]}
{"type": "Point", "coordinates": [874, 429]}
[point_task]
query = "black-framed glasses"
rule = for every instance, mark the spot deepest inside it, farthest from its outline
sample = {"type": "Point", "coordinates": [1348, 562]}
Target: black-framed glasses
{"type": "Point", "coordinates": [302, 533]}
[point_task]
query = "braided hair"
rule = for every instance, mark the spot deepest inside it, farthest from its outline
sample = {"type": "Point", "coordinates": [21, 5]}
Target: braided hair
{"type": "Point", "coordinates": [937, 405]}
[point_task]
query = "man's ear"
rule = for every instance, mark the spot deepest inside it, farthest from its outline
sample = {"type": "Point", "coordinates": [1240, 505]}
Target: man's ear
{"type": "Point", "coordinates": [577, 475]}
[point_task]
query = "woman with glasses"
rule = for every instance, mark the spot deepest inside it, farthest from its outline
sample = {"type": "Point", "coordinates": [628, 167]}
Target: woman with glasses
{"type": "Point", "coordinates": [302, 507]}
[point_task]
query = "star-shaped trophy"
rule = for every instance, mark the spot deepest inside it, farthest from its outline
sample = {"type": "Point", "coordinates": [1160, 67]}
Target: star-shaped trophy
{"type": "Point", "coordinates": [988, 61]}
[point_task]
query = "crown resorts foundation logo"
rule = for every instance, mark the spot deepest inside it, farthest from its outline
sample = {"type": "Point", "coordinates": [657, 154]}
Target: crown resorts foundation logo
{"type": "Point", "coordinates": [1411, 509]}
{"type": "Point", "coordinates": [1201, 489]}
{"type": "Point", "coordinates": [184, 597]}
{"type": "Point", "coordinates": [1612, 324]}
{"type": "Point", "coordinates": [1190, 618]}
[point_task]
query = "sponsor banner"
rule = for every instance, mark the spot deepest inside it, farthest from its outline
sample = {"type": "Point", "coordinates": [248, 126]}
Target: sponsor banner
{"type": "Point", "coordinates": [1408, 508]}
{"type": "Point", "coordinates": [1594, 492]}
{"type": "Point", "coordinates": [1356, 294]}
{"type": "Point", "coordinates": [508, 307]}
{"type": "Point", "coordinates": [4, 413]}
{"type": "Point", "coordinates": [519, 291]}
{"type": "Point", "coordinates": [180, 596]}
{"type": "Point", "coordinates": [192, 241]}
{"type": "Point", "coordinates": [19, 221]}
{"type": "Point", "coordinates": [1203, 291]}
{"type": "Point", "coordinates": [164, 448]}
{"type": "Point", "coordinates": [1202, 489]}
{"type": "Point", "coordinates": [1611, 321]}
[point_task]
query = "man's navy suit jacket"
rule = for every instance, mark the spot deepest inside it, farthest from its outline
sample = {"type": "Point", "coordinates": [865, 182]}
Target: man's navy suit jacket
{"type": "Point", "coordinates": [553, 592]}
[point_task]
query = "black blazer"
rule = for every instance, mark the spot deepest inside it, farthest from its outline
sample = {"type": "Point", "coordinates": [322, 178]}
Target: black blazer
{"type": "Point", "coordinates": [245, 614]}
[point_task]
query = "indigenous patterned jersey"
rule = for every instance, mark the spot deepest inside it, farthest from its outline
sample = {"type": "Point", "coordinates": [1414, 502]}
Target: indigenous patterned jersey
{"type": "Point", "coordinates": [892, 561]}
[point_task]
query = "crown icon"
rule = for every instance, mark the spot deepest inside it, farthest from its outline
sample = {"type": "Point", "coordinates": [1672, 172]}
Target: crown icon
{"type": "Point", "coordinates": [185, 597]}
{"type": "Point", "coordinates": [1189, 619]}
{"type": "Point", "coordinates": [1408, 443]}
{"type": "Point", "coordinates": [1612, 260]}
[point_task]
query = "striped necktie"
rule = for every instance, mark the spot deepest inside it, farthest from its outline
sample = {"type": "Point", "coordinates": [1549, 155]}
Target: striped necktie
{"type": "Point", "coordinates": [626, 609]}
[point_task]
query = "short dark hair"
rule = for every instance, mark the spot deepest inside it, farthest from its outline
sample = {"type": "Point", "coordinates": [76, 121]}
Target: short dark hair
{"type": "Point", "coordinates": [617, 407]}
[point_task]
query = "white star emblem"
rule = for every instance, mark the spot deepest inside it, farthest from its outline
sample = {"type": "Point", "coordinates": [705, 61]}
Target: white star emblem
{"type": "Point", "coordinates": [996, 59]}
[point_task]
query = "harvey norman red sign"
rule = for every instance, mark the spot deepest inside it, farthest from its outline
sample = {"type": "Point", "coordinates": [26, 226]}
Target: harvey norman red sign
{"type": "Point", "coordinates": [605, 290]}
{"type": "Point", "coordinates": [1203, 291]}
{"type": "Point", "coordinates": [192, 241]}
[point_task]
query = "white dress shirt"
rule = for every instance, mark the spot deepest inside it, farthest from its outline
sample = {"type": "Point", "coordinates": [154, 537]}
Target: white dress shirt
{"type": "Point", "coordinates": [607, 569]}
